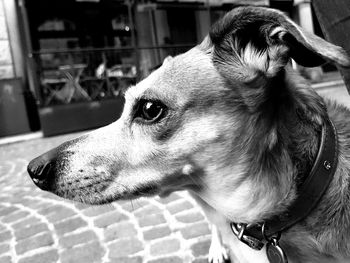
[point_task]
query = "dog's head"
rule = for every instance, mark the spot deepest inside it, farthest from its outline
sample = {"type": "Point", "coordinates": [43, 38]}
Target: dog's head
{"type": "Point", "coordinates": [215, 120]}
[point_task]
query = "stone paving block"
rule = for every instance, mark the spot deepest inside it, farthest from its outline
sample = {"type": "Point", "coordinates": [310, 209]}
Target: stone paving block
{"type": "Point", "coordinates": [133, 205]}
{"type": "Point", "coordinates": [61, 213]}
{"type": "Point", "coordinates": [151, 220]}
{"type": "Point", "coordinates": [69, 225]}
{"type": "Point", "coordinates": [45, 257]}
{"type": "Point", "coordinates": [2, 228]}
{"type": "Point", "coordinates": [5, 259]}
{"type": "Point", "coordinates": [165, 246]}
{"type": "Point", "coordinates": [202, 260]}
{"type": "Point", "coordinates": [28, 231]}
{"type": "Point", "coordinates": [156, 232]}
{"type": "Point", "coordinates": [52, 196]}
{"type": "Point", "coordinates": [16, 199]}
{"type": "Point", "coordinates": [127, 260]}
{"type": "Point", "coordinates": [91, 252]}
{"type": "Point", "coordinates": [5, 235]}
{"type": "Point", "coordinates": [179, 207]}
{"type": "Point", "coordinates": [109, 219]}
{"type": "Point", "coordinates": [171, 198]}
{"type": "Point", "coordinates": [76, 239]}
{"type": "Point", "coordinates": [120, 230]}
{"type": "Point", "coordinates": [37, 205]}
{"type": "Point", "coordinates": [31, 243]}
{"type": "Point", "coordinates": [189, 217]}
{"type": "Point", "coordinates": [200, 248]}
{"type": "Point", "coordinates": [82, 206]}
{"type": "Point", "coordinates": [22, 200]}
{"type": "Point", "coordinates": [166, 260]}
{"type": "Point", "coordinates": [13, 217]}
{"type": "Point", "coordinates": [7, 210]}
{"type": "Point", "coordinates": [49, 210]}
{"type": "Point", "coordinates": [124, 247]}
{"type": "Point", "coordinates": [195, 230]}
{"type": "Point", "coordinates": [147, 210]}
{"type": "Point", "coordinates": [4, 248]}
{"type": "Point", "coordinates": [98, 210]}
{"type": "Point", "coordinates": [26, 222]}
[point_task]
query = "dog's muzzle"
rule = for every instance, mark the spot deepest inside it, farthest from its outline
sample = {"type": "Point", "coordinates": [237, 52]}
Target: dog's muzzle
{"type": "Point", "coordinates": [43, 169]}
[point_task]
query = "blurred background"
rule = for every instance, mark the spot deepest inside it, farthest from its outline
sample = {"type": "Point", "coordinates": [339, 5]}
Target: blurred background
{"type": "Point", "coordinates": [65, 64]}
{"type": "Point", "coordinates": [64, 67]}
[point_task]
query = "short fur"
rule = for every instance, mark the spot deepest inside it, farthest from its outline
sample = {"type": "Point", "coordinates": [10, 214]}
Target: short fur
{"type": "Point", "coordinates": [241, 132]}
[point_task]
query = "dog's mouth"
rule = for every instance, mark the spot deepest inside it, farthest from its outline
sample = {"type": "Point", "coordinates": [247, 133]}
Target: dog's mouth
{"type": "Point", "coordinates": [103, 192]}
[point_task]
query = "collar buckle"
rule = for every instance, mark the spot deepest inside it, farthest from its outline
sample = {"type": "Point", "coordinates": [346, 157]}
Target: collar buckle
{"type": "Point", "coordinates": [239, 229]}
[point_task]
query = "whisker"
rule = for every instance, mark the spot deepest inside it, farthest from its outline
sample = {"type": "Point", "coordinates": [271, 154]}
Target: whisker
{"type": "Point", "coordinates": [132, 205]}
{"type": "Point", "coordinates": [196, 181]}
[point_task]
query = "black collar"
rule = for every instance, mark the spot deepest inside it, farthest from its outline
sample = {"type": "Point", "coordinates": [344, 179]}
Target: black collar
{"type": "Point", "coordinates": [311, 191]}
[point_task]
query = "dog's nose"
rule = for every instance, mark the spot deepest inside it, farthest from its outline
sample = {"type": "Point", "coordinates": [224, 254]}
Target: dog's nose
{"type": "Point", "coordinates": [41, 169]}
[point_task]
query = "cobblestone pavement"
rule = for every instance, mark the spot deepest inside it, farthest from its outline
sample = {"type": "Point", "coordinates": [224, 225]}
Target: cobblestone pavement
{"type": "Point", "coordinates": [38, 227]}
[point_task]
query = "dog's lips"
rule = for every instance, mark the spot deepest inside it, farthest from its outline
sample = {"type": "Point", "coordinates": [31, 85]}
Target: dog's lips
{"type": "Point", "coordinates": [145, 190]}
{"type": "Point", "coordinates": [95, 195]}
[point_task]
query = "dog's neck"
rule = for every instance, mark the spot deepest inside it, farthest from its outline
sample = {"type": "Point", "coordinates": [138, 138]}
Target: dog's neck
{"type": "Point", "coordinates": [284, 165]}
{"type": "Point", "coordinates": [283, 138]}
{"type": "Point", "coordinates": [309, 194]}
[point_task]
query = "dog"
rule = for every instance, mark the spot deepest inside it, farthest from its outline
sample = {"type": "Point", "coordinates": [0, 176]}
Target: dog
{"type": "Point", "coordinates": [234, 124]}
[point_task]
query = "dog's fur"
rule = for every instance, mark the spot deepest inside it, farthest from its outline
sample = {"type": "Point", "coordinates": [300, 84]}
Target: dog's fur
{"type": "Point", "coordinates": [240, 131]}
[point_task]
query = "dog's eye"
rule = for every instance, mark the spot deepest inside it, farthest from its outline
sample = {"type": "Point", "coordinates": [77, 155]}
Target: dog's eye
{"type": "Point", "coordinates": [150, 111]}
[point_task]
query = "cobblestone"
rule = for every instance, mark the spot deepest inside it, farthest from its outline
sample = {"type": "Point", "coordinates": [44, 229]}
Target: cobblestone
{"type": "Point", "coordinates": [76, 239]}
{"type": "Point", "coordinates": [179, 206]}
{"type": "Point", "coordinates": [69, 225]}
{"type": "Point", "coordinates": [125, 247]}
{"type": "Point", "coordinates": [5, 259]}
{"type": "Point", "coordinates": [45, 257]}
{"type": "Point", "coordinates": [26, 222]}
{"type": "Point", "coordinates": [156, 232]}
{"type": "Point", "coordinates": [98, 210]}
{"type": "Point", "coordinates": [167, 260]}
{"type": "Point", "coordinates": [152, 220]}
{"type": "Point", "coordinates": [120, 230]}
{"type": "Point", "coordinates": [38, 227]}
{"type": "Point", "coordinates": [201, 248]}
{"type": "Point", "coordinates": [60, 214]}
{"type": "Point", "coordinates": [13, 217]}
{"type": "Point", "coordinates": [195, 230]}
{"type": "Point", "coordinates": [4, 236]}
{"type": "Point", "coordinates": [126, 260]}
{"type": "Point", "coordinates": [34, 243]}
{"type": "Point", "coordinates": [200, 260]}
{"type": "Point", "coordinates": [147, 210]}
{"type": "Point", "coordinates": [4, 248]}
{"type": "Point", "coordinates": [28, 231]}
{"type": "Point", "coordinates": [189, 217]}
{"type": "Point", "coordinates": [109, 219]}
{"type": "Point", "coordinates": [163, 247]}
{"type": "Point", "coordinates": [91, 252]}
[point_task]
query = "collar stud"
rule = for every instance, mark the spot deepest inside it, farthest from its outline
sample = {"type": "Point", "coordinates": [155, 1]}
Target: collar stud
{"type": "Point", "coordinates": [327, 165]}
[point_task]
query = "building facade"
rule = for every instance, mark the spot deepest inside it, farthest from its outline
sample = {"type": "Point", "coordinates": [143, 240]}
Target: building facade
{"type": "Point", "coordinates": [77, 57]}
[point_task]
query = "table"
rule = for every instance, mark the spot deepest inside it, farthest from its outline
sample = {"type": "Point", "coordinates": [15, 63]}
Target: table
{"type": "Point", "coordinates": [72, 88]}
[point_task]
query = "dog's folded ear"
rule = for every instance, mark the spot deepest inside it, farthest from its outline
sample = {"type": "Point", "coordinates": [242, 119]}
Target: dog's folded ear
{"type": "Point", "coordinates": [254, 39]}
